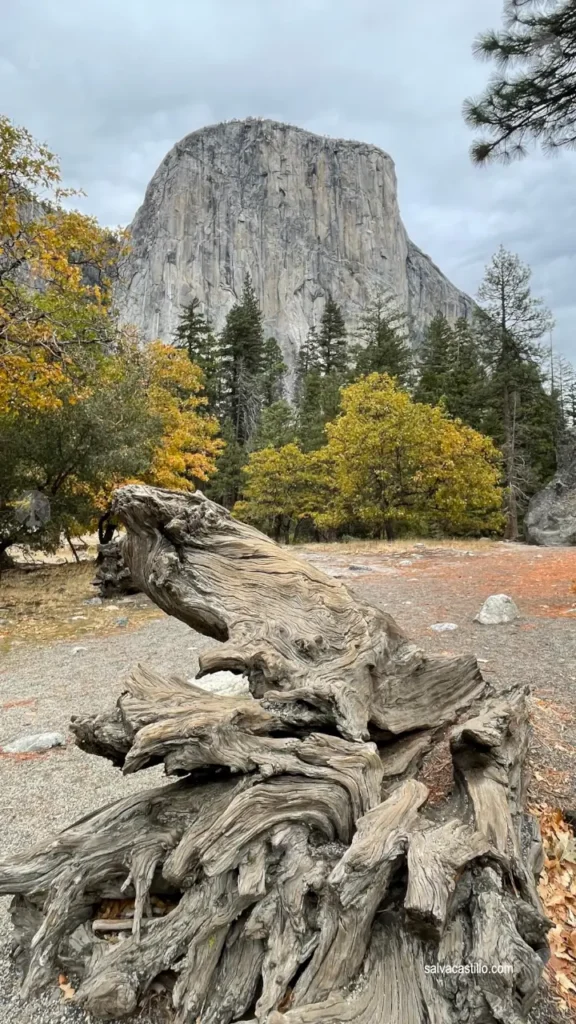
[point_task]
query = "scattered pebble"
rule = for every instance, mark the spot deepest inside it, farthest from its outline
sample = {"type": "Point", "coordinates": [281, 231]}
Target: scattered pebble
{"type": "Point", "coordinates": [76, 618]}
{"type": "Point", "coordinates": [76, 650]}
{"type": "Point", "coordinates": [405, 561]}
{"type": "Point", "coordinates": [122, 621]}
{"type": "Point", "coordinates": [35, 743]}
{"type": "Point", "coordinates": [94, 600]}
{"type": "Point", "coordinates": [359, 568]}
{"type": "Point", "coordinates": [443, 627]}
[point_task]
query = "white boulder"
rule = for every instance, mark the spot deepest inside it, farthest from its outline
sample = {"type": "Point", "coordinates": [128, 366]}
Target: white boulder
{"type": "Point", "coordinates": [227, 683]}
{"type": "Point", "coordinates": [496, 610]}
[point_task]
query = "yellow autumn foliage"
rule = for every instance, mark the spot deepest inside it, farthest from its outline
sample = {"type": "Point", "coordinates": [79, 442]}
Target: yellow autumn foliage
{"type": "Point", "coordinates": [54, 274]}
{"type": "Point", "coordinates": [403, 465]}
{"type": "Point", "coordinates": [390, 465]}
{"type": "Point", "coordinates": [189, 445]}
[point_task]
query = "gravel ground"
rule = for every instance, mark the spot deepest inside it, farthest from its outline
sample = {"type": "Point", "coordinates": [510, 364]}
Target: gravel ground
{"type": "Point", "coordinates": [41, 686]}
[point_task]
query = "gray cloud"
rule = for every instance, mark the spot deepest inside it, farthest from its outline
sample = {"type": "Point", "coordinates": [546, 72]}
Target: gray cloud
{"type": "Point", "coordinates": [112, 86]}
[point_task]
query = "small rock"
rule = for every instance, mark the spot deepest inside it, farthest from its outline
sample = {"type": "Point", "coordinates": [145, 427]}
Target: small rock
{"type": "Point", "coordinates": [122, 621]}
{"type": "Point", "coordinates": [405, 561]}
{"type": "Point", "coordinates": [496, 610]}
{"type": "Point", "coordinates": [229, 683]}
{"type": "Point", "coordinates": [76, 650]}
{"type": "Point", "coordinates": [443, 627]}
{"type": "Point", "coordinates": [94, 600]}
{"type": "Point", "coordinates": [76, 618]}
{"type": "Point", "coordinates": [359, 568]}
{"type": "Point", "coordinates": [35, 743]}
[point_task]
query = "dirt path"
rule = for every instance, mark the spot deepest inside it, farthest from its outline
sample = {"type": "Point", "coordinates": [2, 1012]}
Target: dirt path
{"type": "Point", "coordinates": [42, 685]}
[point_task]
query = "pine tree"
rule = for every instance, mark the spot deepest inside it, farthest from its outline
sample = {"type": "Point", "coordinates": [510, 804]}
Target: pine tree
{"type": "Point", "coordinates": [225, 486]}
{"type": "Point", "coordinates": [277, 426]}
{"type": "Point", "coordinates": [434, 360]}
{"type": "Point", "coordinates": [311, 414]}
{"type": "Point", "coordinates": [194, 333]}
{"type": "Point", "coordinates": [321, 371]}
{"type": "Point", "coordinates": [535, 96]}
{"type": "Point", "coordinates": [242, 348]}
{"type": "Point", "coordinates": [510, 326]}
{"type": "Point", "coordinates": [273, 372]}
{"type": "Point", "coordinates": [465, 385]}
{"type": "Point", "coordinates": [308, 361]}
{"type": "Point", "coordinates": [332, 341]}
{"type": "Point", "coordinates": [384, 345]}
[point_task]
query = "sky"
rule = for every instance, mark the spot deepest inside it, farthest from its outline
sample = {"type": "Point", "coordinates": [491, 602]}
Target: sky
{"type": "Point", "coordinates": [112, 86]}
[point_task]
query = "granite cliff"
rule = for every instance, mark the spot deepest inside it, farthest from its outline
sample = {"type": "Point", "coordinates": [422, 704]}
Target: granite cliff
{"type": "Point", "coordinates": [305, 215]}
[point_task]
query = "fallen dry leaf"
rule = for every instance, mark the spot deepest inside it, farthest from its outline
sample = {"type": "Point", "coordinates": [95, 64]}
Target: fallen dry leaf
{"type": "Point", "coordinates": [557, 890]}
{"type": "Point", "coordinates": [65, 987]}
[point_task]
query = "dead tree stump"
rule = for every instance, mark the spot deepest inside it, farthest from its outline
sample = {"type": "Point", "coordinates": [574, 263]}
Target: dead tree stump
{"type": "Point", "coordinates": [113, 577]}
{"type": "Point", "coordinates": [297, 871]}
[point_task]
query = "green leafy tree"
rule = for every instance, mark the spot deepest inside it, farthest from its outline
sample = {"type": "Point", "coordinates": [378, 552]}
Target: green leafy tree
{"type": "Point", "coordinates": [509, 328]}
{"type": "Point", "coordinates": [284, 489]}
{"type": "Point", "coordinates": [384, 345]}
{"type": "Point", "coordinates": [100, 433]}
{"type": "Point", "coordinates": [401, 466]}
{"type": "Point", "coordinates": [194, 334]}
{"type": "Point", "coordinates": [134, 413]}
{"type": "Point", "coordinates": [533, 95]}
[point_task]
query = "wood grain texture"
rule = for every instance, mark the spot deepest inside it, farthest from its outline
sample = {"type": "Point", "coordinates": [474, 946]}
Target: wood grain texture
{"type": "Point", "coordinates": [302, 871]}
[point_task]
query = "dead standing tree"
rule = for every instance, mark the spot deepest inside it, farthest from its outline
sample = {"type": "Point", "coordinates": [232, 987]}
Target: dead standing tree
{"type": "Point", "coordinates": [305, 875]}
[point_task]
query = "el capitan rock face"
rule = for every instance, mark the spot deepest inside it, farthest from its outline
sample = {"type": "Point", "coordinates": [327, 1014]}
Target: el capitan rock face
{"type": "Point", "coordinates": [305, 215]}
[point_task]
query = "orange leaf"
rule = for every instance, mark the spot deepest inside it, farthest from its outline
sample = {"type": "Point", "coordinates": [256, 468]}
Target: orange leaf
{"type": "Point", "coordinates": [65, 987]}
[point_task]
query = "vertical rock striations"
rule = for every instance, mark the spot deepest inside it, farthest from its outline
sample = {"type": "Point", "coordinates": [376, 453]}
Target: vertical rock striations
{"type": "Point", "coordinates": [305, 215]}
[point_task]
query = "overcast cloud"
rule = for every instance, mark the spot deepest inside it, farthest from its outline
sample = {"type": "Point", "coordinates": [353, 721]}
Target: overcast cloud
{"type": "Point", "coordinates": [111, 86]}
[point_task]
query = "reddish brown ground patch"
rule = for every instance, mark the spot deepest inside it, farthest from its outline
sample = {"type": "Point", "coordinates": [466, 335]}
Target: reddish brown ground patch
{"type": "Point", "coordinates": [542, 583]}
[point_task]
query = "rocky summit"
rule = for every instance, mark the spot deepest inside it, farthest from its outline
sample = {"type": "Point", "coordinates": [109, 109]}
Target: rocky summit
{"type": "Point", "coordinates": [303, 214]}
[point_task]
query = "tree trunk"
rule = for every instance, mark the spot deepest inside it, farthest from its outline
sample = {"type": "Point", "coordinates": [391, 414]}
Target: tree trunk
{"type": "Point", "coordinates": [511, 532]}
{"type": "Point", "coordinates": [300, 870]}
{"type": "Point", "coordinates": [71, 546]}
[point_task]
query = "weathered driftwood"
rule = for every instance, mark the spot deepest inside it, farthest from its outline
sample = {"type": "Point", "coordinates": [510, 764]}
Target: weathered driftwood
{"type": "Point", "coordinates": [306, 873]}
{"type": "Point", "coordinates": [112, 577]}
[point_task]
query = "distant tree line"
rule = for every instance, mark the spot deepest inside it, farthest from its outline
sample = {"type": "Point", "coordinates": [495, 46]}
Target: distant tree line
{"type": "Point", "coordinates": [495, 373]}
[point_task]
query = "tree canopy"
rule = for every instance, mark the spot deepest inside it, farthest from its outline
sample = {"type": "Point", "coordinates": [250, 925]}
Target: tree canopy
{"type": "Point", "coordinates": [135, 416]}
{"type": "Point", "coordinates": [390, 465]}
{"type": "Point", "coordinates": [532, 96]}
{"type": "Point", "coordinates": [55, 274]}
